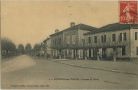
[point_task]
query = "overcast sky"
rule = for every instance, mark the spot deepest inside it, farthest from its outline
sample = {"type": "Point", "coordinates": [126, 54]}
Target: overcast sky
{"type": "Point", "coordinates": [31, 21]}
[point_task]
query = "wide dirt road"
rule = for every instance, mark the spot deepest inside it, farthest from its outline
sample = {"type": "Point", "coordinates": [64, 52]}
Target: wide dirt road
{"type": "Point", "coordinates": [27, 72]}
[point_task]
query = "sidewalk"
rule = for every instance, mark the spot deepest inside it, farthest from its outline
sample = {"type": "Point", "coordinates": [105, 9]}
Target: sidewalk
{"type": "Point", "coordinates": [119, 67]}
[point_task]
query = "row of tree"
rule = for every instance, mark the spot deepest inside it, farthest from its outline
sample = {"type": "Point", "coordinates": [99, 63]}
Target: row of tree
{"type": "Point", "coordinates": [8, 48]}
{"type": "Point", "coordinates": [24, 50]}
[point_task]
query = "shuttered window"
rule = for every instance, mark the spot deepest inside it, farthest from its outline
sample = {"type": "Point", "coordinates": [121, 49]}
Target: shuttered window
{"type": "Point", "coordinates": [120, 37]}
{"type": "Point", "coordinates": [124, 36]}
{"type": "Point", "coordinates": [136, 35]}
{"type": "Point", "coordinates": [95, 39]}
{"type": "Point", "coordinates": [113, 37]}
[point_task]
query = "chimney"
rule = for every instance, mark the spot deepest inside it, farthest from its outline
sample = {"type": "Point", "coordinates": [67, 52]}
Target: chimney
{"type": "Point", "coordinates": [72, 24]}
{"type": "Point", "coordinates": [56, 30]}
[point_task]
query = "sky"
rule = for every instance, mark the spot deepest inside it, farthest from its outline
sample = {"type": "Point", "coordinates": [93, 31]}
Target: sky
{"type": "Point", "coordinates": [32, 21]}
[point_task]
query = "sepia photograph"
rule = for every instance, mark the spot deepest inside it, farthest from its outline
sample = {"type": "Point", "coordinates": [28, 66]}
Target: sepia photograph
{"type": "Point", "coordinates": [69, 44]}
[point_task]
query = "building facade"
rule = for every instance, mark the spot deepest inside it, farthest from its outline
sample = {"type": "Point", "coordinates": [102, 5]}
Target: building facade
{"type": "Point", "coordinates": [47, 47]}
{"type": "Point", "coordinates": [69, 42]}
{"type": "Point", "coordinates": [112, 41]}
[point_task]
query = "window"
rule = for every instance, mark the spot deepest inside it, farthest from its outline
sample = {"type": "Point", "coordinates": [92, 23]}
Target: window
{"type": "Point", "coordinates": [54, 42]}
{"type": "Point", "coordinates": [125, 38]}
{"type": "Point", "coordinates": [83, 41]}
{"type": "Point", "coordinates": [95, 39]}
{"type": "Point", "coordinates": [120, 37]}
{"type": "Point", "coordinates": [89, 39]}
{"type": "Point", "coordinates": [73, 39]}
{"type": "Point", "coordinates": [113, 37]}
{"type": "Point", "coordinates": [123, 51]}
{"type": "Point", "coordinates": [68, 39]}
{"type": "Point", "coordinates": [104, 38]}
{"type": "Point", "coordinates": [59, 40]}
{"type": "Point", "coordinates": [136, 50]}
{"type": "Point", "coordinates": [136, 35]}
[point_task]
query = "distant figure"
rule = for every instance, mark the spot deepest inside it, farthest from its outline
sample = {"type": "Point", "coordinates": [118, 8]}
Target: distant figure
{"type": "Point", "coordinates": [98, 56]}
{"type": "Point", "coordinates": [114, 55]}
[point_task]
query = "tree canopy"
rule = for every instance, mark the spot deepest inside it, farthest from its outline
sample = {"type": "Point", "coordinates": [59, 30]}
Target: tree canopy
{"type": "Point", "coordinates": [20, 48]}
{"type": "Point", "coordinates": [8, 48]}
{"type": "Point", "coordinates": [7, 45]}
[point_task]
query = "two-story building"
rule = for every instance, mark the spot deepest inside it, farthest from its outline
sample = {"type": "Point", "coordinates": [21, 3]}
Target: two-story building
{"type": "Point", "coordinates": [47, 47]}
{"type": "Point", "coordinates": [56, 43]}
{"type": "Point", "coordinates": [112, 41]}
{"type": "Point", "coordinates": [69, 43]}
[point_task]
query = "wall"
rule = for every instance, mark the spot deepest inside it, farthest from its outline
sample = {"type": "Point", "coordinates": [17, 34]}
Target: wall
{"type": "Point", "coordinates": [81, 37]}
{"type": "Point", "coordinates": [134, 43]}
{"type": "Point", "coordinates": [109, 43]}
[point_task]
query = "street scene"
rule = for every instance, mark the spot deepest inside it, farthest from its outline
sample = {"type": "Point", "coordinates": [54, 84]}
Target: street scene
{"type": "Point", "coordinates": [27, 72]}
{"type": "Point", "coordinates": [69, 44]}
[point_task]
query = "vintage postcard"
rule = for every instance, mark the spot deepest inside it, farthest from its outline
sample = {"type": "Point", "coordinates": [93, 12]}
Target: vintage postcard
{"type": "Point", "coordinates": [69, 44]}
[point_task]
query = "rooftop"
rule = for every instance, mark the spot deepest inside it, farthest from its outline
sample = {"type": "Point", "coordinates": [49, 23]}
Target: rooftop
{"type": "Point", "coordinates": [76, 27]}
{"type": "Point", "coordinates": [46, 40]}
{"type": "Point", "coordinates": [114, 27]}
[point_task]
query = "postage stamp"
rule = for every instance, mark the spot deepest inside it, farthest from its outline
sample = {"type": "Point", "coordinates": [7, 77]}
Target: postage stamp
{"type": "Point", "coordinates": [128, 12]}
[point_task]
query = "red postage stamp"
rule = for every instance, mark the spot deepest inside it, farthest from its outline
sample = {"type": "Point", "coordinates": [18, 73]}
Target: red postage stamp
{"type": "Point", "coordinates": [128, 12]}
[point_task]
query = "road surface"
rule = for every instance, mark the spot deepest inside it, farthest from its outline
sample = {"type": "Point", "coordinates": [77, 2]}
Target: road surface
{"type": "Point", "coordinates": [27, 72]}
